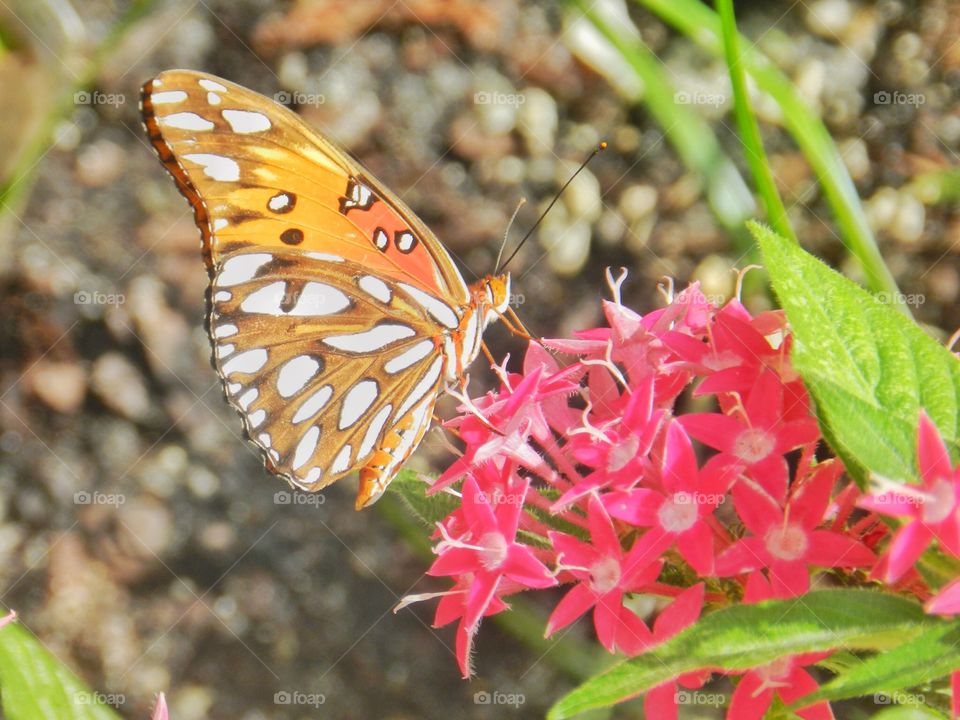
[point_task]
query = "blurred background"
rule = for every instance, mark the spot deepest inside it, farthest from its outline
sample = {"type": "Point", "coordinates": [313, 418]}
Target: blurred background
{"type": "Point", "coordinates": [140, 538]}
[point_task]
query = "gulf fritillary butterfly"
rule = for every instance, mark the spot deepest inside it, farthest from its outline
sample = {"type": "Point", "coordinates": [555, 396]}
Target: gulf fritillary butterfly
{"type": "Point", "coordinates": [335, 315]}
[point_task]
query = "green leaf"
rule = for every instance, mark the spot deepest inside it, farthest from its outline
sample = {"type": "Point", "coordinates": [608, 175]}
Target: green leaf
{"type": "Point", "coordinates": [745, 636]}
{"type": "Point", "coordinates": [869, 368]}
{"type": "Point", "coordinates": [37, 686]}
{"type": "Point", "coordinates": [909, 713]}
{"type": "Point", "coordinates": [429, 509]}
{"type": "Point", "coordinates": [927, 657]}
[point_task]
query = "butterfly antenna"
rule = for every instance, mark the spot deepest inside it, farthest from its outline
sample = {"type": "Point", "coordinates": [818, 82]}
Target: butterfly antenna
{"type": "Point", "coordinates": [513, 217]}
{"type": "Point", "coordinates": [599, 148]}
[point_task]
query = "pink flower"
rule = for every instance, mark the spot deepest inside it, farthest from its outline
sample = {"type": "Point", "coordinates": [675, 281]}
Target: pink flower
{"type": "Point", "coordinates": [947, 601]}
{"type": "Point", "coordinates": [605, 572]}
{"type": "Point", "coordinates": [160, 710]}
{"type": "Point", "coordinates": [784, 678]}
{"type": "Point", "coordinates": [616, 453]}
{"type": "Point", "coordinates": [760, 437]}
{"type": "Point", "coordinates": [484, 554]}
{"type": "Point", "coordinates": [933, 506]}
{"type": "Point", "coordinates": [678, 511]}
{"type": "Point", "coordinates": [786, 540]}
{"type": "Point", "coordinates": [661, 702]}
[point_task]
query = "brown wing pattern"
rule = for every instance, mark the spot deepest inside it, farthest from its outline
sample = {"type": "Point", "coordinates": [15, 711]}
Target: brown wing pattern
{"type": "Point", "coordinates": [321, 359]}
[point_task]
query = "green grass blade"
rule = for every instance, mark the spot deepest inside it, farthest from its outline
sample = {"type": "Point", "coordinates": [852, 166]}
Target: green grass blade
{"type": "Point", "coordinates": [702, 25]}
{"type": "Point", "coordinates": [689, 134]}
{"type": "Point", "coordinates": [749, 129]}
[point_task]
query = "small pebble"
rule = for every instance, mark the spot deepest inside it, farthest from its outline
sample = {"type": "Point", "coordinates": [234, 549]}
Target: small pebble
{"type": "Point", "coordinates": [538, 120]}
{"type": "Point", "coordinates": [120, 386]}
{"type": "Point", "coordinates": [60, 386]}
{"type": "Point", "coordinates": [100, 163]}
{"type": "Point", "coordinates": [829, 18]}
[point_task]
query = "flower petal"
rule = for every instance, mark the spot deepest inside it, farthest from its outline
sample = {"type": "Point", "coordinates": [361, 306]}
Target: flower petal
{"type": "Point", "coordinates": [574, 604]}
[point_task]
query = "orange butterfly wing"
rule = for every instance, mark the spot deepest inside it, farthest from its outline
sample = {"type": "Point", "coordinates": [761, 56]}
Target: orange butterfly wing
{"type": "Point", "coordinates": [258, 176]}
{"type": "Point", "coordinates": [332, 307]}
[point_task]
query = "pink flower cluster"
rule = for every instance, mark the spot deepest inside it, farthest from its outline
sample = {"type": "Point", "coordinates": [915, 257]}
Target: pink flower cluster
{"type": "Point", "coordinates": [582, 472]}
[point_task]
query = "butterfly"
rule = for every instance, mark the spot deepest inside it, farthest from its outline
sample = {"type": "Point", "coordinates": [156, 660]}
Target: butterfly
{"type": "Point", "coordinates": [336, 317]}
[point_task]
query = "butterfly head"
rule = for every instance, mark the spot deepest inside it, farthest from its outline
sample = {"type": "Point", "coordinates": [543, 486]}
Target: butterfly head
{"type": "Point", "coordinates": [496, 295]}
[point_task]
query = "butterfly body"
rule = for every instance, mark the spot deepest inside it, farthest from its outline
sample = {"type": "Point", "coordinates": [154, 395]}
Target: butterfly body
{"type": "Point", "coordinates": [336, 316]}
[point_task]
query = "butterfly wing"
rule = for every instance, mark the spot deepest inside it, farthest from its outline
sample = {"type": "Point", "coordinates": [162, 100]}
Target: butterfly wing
{"type": "Point", "coordinates": [331, 304]}
{"type": "Point", "coordinates": [258, 176]}
{"type": "Point", "coordinates": [331, 368]}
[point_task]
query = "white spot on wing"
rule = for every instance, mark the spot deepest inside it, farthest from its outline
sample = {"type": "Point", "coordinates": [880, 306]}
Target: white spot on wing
{"type": "Point", "coordinates": [320, 299]}
{"type": "Point", "coordinates": [438, 309]}
{"type": "Point", "coordinates": [266, 300]}
{"type": "Point", "coordinates": [171, 96]}
{"type": "Point", "coordinates": [295, 374]}
{"type": "Point", "coordinates": [208, 84]}
{"type": "Point", "coordinates": [264, 439]}
{"type": "Point", "coordinates": [428, 380]}
{"type": "Point", "coordinates": [245, 400]}
{"type": "Point", "coordinates": [225, 350]}
{"type": "Point", "coordinates": [375, 338]}
{"type": "Point", "coordinates": [405, 241]}
{"type": "Point", "coordinates": [324, 256]}
{"type": "Point", "coordinates": [257, 418]}
{"type": "Point", "coordinates": [246, 362]}
{"type": "Point", "coordinates": [186, 121]}
{"type": "Point", "coordinates": [279, 201]}
{"type": "Point", "coordinates": [241, 268]}
{"type": "Point", "coordinates": [246, 121]}
{"type": "Point", "coordinates": [409, 357]}
{"type": "Point", "coordinates": [225, 331]}
{"type": "Point", "coordinates": [213, 98]}
{"type": "Point", "coordinates": [222, 296]}
{"type": "Point", "coordinates": [313, 476]}
{"type": "Point", "coordinates": [220, 224]}
{"type": "Point", "coordinates": [313, 404]}
{"type": "Point", "coordinates": [216, 167]}
{"type": "Point", "coordinates": [342, 461]}
{"type": "Point", "coordinates": [470, 334]}
{"type": "Point", "coordinates": [357, 401]}
{"type": "Point", "coordinates": [375, 287]}
{"type": "Point", "coordinates": [373, 431]}
{"type": "Point", "coordinates": [306, 447]}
